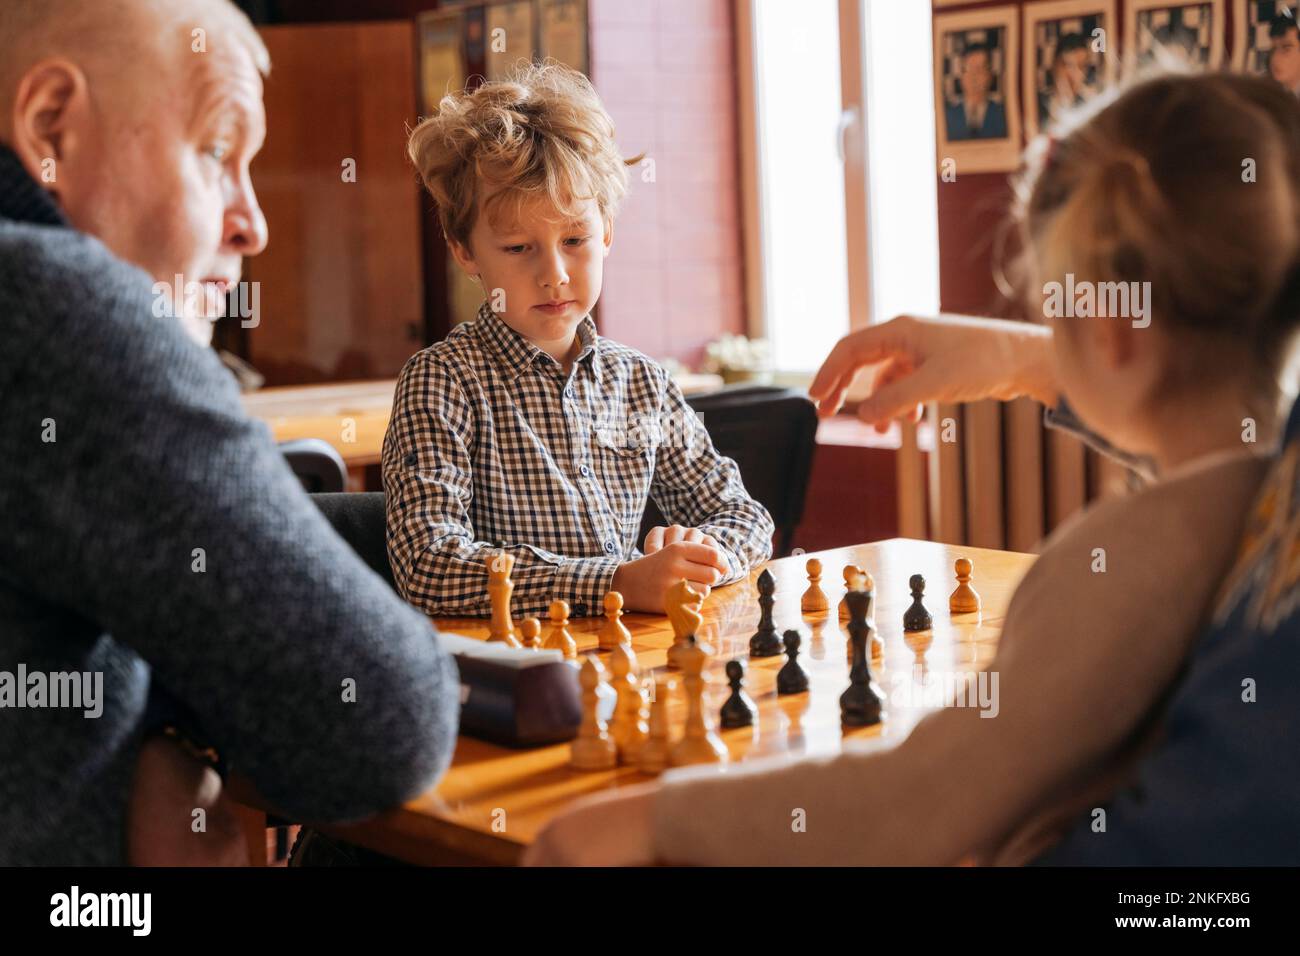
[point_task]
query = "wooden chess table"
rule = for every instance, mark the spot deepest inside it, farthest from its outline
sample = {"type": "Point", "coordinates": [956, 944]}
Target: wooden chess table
{"type": "Point", "coordinates": [494, 800]}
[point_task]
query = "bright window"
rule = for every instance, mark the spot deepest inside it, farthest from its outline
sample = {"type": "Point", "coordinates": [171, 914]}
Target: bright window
{"type": "Point", "coordinates": [812, 143]}
{"type": "Point", "coordinates": [801, 179]}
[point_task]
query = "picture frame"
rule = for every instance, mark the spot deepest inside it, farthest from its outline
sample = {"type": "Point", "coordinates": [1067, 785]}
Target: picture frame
{"type": "Point", "coordinates": [1251, 44]}
{"type": "Point", "coordinates": [1054, 79]}
{"type": "Point", "coordinates": [442, 63]}
{"type": "Point", "coordinates": [1193, 26]}
{"type": "Point", "coordinates": [517, 40]}
{"type": "Point", "coordinates": [562, 32]}
{"type": "Point", "coordinates": [994, 144]}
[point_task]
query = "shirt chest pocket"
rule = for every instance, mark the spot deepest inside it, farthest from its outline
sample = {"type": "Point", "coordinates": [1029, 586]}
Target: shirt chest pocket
{"type": "Point", "coordinates": [625, 472]}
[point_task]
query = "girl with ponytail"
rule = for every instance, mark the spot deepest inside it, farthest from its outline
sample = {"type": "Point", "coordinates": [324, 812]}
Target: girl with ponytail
{"type": "Point", "coordinates": [1129, 728]}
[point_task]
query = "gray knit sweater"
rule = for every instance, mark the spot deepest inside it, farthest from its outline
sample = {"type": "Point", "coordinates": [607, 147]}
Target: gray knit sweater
{"type": "Point", "coordinates": [151, 459]}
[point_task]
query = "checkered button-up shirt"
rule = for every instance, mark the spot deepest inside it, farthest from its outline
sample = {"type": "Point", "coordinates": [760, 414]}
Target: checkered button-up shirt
{"type": "Point", "coordinates": [491, 446]}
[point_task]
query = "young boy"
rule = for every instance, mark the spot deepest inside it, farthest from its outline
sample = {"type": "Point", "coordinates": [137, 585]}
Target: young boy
{"type": "Point", "coordinates": [524, 430]}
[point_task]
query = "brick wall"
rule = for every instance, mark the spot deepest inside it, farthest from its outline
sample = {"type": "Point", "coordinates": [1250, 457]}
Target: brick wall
{"type": "Point", "coordinates": [667, 73]}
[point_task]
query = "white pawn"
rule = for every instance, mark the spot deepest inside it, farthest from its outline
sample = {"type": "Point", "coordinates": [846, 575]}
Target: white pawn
{"type": "Point", "coordinates": [699, 743]}
{"type": "Point", "coordinates": [628, 727]}
{"type": "Point", "coordinates": [594, 748]}
{"type": "Point", "coordinates": [654, 754]}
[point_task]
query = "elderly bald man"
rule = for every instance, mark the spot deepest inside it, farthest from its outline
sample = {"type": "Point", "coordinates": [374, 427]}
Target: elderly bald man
{"type": "Point", "coordinates": [156, 551]}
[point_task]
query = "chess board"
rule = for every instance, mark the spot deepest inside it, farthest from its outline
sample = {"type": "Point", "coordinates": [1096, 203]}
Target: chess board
{"type": "Point", "coordinates": [493, 801]}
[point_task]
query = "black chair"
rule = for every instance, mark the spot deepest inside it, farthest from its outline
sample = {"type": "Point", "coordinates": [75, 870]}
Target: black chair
{"type": "Point", "coordinates": [317, 464]}
{"type": "Point", "coordinates": [771, 433]}
{"type": "Point", "coordinates": [359, 519]}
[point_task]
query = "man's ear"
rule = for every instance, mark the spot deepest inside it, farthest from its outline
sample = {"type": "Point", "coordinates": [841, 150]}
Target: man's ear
{"type": "Point", "coordinates": [51, 108]}
{"type": "Point", "coordinates": [609, 234]}
{"type": "Point", "coordinates": [464, 258]}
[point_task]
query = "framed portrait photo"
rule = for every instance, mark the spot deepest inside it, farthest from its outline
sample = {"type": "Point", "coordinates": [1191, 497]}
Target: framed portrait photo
{"type": "Point", "coordinates": [442, 57]}
{"type": "Point", "coordinates": [1070, 56]}
{"type": "Point", "coordinates": [511, 37]}
{"type": "Point", "coordinates": [1191, 31]}
{"type": "Point", "coordinates": [1267, 40]}
{"type": "Point", "coordinates": [562, 32]}
{"type": "Point", "coordinates": [977, 112]}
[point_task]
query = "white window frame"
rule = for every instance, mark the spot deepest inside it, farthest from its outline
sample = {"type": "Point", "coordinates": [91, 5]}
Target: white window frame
{"type": "Point", "coordinates": [898, 205]}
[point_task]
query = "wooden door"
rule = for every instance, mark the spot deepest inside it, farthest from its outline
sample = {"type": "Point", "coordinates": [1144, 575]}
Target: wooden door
{"type": "Point", "coordinates": [340, 283]}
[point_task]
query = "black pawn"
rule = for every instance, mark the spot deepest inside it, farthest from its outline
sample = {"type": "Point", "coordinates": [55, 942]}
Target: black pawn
{"type": "Point", "coordinates": [765, 642]}
{"type": "Point", "coordinates": [871, 623]}
{"type": "Point", "coordinates": [916, 617]}
{"type": "Point", "coordinates": [860, 704]}
{"type": "Point", "coordinates": [791, 678]}
{"type": "Point", "coordinates": [738, 710]}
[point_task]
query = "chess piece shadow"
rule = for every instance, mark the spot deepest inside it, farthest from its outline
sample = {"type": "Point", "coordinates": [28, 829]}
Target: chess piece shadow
{"type": "Point", "coordinates": [794, 708]}
{"type": "Point", "coordinates": [919, 643]}
{"type": "Point", "coordinates": [817, 641]}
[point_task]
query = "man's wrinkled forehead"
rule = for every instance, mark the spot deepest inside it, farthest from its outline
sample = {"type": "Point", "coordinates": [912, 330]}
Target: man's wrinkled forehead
{"type": "Point", "coordinates": [222, 87]}
{"type": "Point", "coordinates": [134, 53]}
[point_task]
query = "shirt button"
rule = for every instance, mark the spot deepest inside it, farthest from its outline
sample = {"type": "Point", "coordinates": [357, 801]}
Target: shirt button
{"type": "Point", "coordinates": [610, 547]}
{"type": "Point", "coordinates": [568, 392]}
{"type": "Point", "coordinates": [584, 471]}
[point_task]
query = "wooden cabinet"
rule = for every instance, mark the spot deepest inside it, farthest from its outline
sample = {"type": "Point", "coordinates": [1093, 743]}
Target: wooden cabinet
{"type": "Point", "coordinates": [341, 280]}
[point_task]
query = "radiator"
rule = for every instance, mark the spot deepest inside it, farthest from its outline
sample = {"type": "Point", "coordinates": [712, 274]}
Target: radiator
{"type": "Point", "coordinates": [995, 477]}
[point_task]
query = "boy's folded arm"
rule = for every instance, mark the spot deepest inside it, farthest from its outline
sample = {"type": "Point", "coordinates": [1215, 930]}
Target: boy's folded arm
{"type": "Point", "coordinates": [448, 575]}
{"type": "Point", "coordinates": [697, 487]}
{"type": "Point", "coordinates": [1084, 656]}
{"type": "Point", "coordinates": [428, 470]}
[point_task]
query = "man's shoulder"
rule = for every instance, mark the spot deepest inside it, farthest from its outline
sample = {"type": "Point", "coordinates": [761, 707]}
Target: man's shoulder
{"type": "Point", "coordinates": [60, 285]}
{"type": "Point", "coordinates": [53, 262]}
{"type": "Point", "coordinates": [74, 312]}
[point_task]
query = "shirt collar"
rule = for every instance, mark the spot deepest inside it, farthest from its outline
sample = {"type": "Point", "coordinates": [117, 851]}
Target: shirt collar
{"type": "Point", "coordinates": [21, 198]}
{"type": "Point", "coordinates": [515, 353]}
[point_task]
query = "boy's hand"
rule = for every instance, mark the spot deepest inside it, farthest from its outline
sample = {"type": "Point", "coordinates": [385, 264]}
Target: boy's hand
{"type": "Point", "coordinates": [657, 538]}
{"type": "Point", "coordinates": [643, 582]}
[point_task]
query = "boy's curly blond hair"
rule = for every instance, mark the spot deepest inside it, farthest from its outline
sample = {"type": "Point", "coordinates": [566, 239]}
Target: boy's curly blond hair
{"type": "Point", "coordinates": [542, 133]}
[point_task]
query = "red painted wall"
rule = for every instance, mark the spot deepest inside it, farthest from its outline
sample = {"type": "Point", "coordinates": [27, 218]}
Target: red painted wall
{"type": "Point", "coordinates": [667, 74]}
